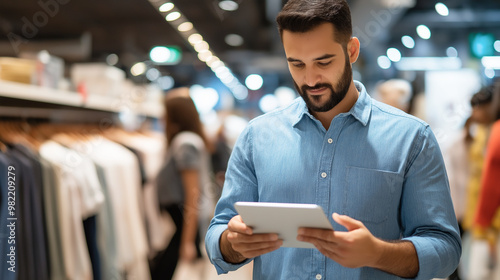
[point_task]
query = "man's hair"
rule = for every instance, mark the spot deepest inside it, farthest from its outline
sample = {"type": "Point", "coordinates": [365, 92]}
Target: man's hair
{"type": "Point", "coordinates": [304, 15]}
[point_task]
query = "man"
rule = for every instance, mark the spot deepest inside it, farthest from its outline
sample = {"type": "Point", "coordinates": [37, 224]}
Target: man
{"type": "Point", "coordinates": [378, 168]}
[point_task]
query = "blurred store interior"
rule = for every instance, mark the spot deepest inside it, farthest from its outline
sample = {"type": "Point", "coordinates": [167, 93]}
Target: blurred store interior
{"type": "Point", "coordinates": [110, 62]}
{"type": "Point", "coordinates": [231, 54]}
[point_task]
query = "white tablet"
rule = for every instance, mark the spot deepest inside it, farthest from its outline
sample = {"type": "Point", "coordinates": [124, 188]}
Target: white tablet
{"type": "Point", "coordinates": [283, 218]}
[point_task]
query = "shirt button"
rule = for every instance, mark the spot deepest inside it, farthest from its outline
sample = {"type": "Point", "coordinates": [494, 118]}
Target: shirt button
{"type": "Point", "coordinates": [323, 175]}
{"type": "Point", "coordinates": [318, 276]}
{"type": "Point", "coordinates": [330, 140]}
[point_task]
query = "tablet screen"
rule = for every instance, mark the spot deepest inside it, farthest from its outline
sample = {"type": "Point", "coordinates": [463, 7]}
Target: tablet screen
{"type": "Point", "coordinates": [283, 218]}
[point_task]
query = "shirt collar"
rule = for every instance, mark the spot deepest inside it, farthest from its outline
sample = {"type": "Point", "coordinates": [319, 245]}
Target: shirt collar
{"type": "Point", "coordinates": [360, 111]}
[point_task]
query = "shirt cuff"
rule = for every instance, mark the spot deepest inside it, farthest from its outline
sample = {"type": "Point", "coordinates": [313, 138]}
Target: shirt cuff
{"type": "Point", "coordinates": [431, 265]}
{"type": "Point", "coordinates": [214, 253]}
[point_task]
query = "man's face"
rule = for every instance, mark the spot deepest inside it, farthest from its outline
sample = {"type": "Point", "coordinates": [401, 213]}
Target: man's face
{"type": "Point", "coordinates": [320, 68]}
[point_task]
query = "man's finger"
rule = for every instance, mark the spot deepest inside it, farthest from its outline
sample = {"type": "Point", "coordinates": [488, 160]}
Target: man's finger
{"type": "Point", "coordinates": [323, 234]}
{"type": "Point", "coordinates": [236, 224]}
{"type": "Point", "coordinates": [346, 221]}
{"type": "Point", "coordinates": [245, 238]}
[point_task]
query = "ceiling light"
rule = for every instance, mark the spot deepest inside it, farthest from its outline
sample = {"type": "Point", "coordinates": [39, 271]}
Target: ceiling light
{"type": "Point", "coordinates": [428, 63]}
{"type": "Point", "coordinates": [285, 95]}
{"type": "Point", "coordinates": [394, 54]}
{"type": "Point", "coordinates": [205, 99]}
{"type": "Point", "coordinates": [497, 45]}
{"type": "Point", "coordinates": [185, 26]}
{"type": "Point", "coordinates": [228, 5]}
{"type": "Point", "coordinates": [159, 54]}
{"type": "Point", "coordinates": [216, 64]}
{"type": "Point", "coordinates": [138, 69]}
{"type": "Point", "coordinates": [112, 59]}
{"type": "Point", "coordinates": [492, 62]}
{"type": "Point", "coordinates": [268, 103]}
{"type": "Point", "coordinates": [489, 73]}
{"type": "Point", "coordinates": [204, 55]}
{"type": "Point", "coordinates": [153, 74]}
{"type": "Point", "coordinates": [201, 46]}
{"type": "Point", "coordinates": [212, 60]}
{"type": "Point", "coordinates": [228, 79]}
{"type": "Point", "coordinates": [408, 41]}
{"type": "Point", "coordinates": [424, 32]}
{"type": "Point", "coordinates": [222, 71]}
{"type": "Point", "coordinates": [254, 82]}
{"type": "Point", "coordinates": [240, 92]}
{"type": "Point", "coordinates": [451, 52]}
{"type": "Point", "coordinates": [442, 9]}
{"type": "Point", "coordinates": [234, 40]}
{"type": "Point", "coordinates": [166, 7]}
{"type": "Point", "coordinates": [173, 16]}
{"type": "Point", "coordinates": [165, 82]}
{"type": "Point", "coordinates": [384, 62]}
{"type": "Point", "coordinates": [195, 39]}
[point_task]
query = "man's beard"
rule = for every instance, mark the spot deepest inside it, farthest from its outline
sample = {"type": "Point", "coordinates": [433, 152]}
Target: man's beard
{"type": "Point", "coordinates": [336, 96]}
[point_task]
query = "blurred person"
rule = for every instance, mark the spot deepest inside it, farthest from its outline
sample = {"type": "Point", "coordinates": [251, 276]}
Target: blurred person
{"type": "Point", "coordinates": [489, 196]}
{"type": "Point", "coordinates": [338, 148]}
{"type": "Point", "coordinates": [396, 93]}
{"type": "Point", "coordinates": [183, 183]}
{"type": "Point", "coordinates": [464, 161]}
{"type": "Point", "coordinates": [481, 104]}
{"type": "Point", "coordinates": [220, 157]}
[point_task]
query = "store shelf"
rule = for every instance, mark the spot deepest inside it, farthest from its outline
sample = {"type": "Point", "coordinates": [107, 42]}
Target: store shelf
{"type": "Point", "coordinates": [74, 99]}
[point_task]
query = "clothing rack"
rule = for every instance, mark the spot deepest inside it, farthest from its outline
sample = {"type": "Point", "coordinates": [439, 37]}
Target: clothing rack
{"type": "Point", "coordinates": [57, 115]}
{"type": "Point", "coordinates": [30, 101]}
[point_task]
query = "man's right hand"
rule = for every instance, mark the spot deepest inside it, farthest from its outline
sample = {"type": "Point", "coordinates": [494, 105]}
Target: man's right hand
{"type": "Point", "coordinates": [238, 242]}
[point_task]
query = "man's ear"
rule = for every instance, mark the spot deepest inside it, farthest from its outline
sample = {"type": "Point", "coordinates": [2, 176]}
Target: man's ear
{"type": "Point", "coordinates": [353, 49]}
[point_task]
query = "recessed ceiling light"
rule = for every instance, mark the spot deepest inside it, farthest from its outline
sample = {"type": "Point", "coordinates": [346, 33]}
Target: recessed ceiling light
{"type": "Point", "coordinates": [138, 69]}
{"type": "Point", "coordinates": [234, 40]}
{"type": "Point", "coordinates": [195, 39]}
{"type": "Point", "coordinates": [496, 45]}
{"type": "Point", "coordinates": [228, 5]}
{"type": "Point", "coordinates": [173, 16]}
{"type": "Point", "coordinates": [185, 26]}
{"type": "Point", "coordinates": [408, 41]}
{"type": "Point", "coordinates": [394, 54]}
{"type": "Point", "coordinates": [442, 9]}
{"type": "Point", "coordinates": [451, 52]}
{"type": "Point", "coordinates": [424, 32]}
{"type": "Point", "coordinates": [166, 7]}
{"type": "Point", "coordinates": [384, 62]}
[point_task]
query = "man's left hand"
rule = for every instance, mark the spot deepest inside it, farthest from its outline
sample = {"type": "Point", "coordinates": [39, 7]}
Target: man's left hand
{"type": "Point", "coordinates": [355, 248]}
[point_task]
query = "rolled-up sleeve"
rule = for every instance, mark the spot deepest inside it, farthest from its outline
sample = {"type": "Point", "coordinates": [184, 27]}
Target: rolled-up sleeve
{"type": "Point", "coordinates": [427, 214]}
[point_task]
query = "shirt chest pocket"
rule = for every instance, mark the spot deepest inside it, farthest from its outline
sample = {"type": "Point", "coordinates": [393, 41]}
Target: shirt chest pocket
{"type": "Point", "coordinates": [370, 195]}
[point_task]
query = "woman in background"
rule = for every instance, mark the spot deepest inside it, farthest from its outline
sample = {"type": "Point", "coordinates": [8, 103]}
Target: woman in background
{"type": "Point", "coordinates": [183, 183]}
{"type": "Point", "coordinates": [489, 197]}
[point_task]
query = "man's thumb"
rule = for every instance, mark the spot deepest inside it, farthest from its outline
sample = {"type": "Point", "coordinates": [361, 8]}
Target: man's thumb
{"type": "Point", "coordinates": [346, 221]}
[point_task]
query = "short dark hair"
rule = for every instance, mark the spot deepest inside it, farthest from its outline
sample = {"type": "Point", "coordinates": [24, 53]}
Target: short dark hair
{"type": "Point", "coordinates": [304, 15]}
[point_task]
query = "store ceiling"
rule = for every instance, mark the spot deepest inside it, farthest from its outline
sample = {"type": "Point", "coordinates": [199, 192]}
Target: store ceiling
{"type": "Point", "coordinates": [129, 28]}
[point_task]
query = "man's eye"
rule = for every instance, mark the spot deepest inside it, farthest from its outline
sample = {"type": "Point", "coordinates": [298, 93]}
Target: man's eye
{"type": "Point", "coordinates": [324, 63]}
{"type": "Point", "coordinates": [298, 65]}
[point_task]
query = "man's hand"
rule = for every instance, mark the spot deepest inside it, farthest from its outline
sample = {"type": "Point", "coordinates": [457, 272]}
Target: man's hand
{"type": "Point", "coordinates": [355, 248]}
{"type": "Point", "coordinates": [358, 247]}
{"type": "Point", "coordinates": [238, 242]}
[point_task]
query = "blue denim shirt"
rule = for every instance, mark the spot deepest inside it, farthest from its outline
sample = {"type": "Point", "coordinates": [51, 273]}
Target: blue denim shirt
{"type": "Point", "coordinates": [375, 164]}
